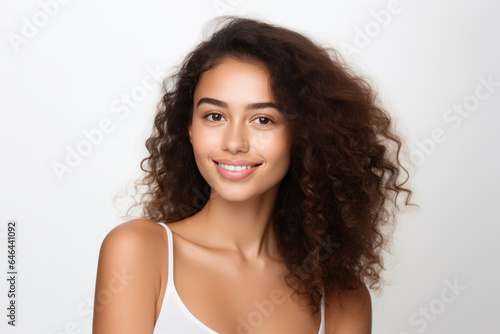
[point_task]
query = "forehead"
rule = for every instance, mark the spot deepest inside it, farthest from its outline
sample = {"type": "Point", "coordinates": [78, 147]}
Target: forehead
{"type": "Point", "coordinates": [235, 79]}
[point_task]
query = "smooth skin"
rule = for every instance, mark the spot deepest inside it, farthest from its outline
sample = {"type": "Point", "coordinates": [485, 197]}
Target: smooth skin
{"type": "Point", "coordinates": [225, 255]}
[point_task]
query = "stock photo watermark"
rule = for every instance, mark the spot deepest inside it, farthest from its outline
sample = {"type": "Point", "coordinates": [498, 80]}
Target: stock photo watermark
{"type": "Point", "coordinates": [222, 7]}
{"type": "Point", "coordinates": [83, 322]}
{"type": "Point", "coordinates": [119, 281]}
{"type": "Point", "coordinates": [12, 272]}
{"type": "Point", "coordinates": [121, 108]}
{"type": "Point", "coordinates": [265, 308]}
{"type": "Point", "coordinates": [430, 312]}
{"type": "Point", "coordinates": [304, 269]}
{"type": "Point", "coordinates": [85, 309]}
{"type": "Point", "coordinates": [454, 116]}
{"type": "Point", "coordinates": [364, 36]}
{"type": "Point", "coordinates": [31, 26]}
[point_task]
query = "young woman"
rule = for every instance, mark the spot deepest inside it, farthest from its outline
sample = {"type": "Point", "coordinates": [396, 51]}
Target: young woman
{"type": "Point", "coordinates": [272, 174]}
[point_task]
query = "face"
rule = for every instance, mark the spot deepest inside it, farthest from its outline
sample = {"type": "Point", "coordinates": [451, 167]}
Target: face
{"type": "Point", "coordinates": [235, 122]}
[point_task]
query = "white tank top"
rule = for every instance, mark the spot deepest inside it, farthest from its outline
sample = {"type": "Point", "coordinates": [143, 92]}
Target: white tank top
{"type": "Point", "coordinates": [174, 316]}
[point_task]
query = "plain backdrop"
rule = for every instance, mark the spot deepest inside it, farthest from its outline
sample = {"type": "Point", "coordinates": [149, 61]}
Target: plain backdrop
{"type": "Point", "coordinates": [68, 68]}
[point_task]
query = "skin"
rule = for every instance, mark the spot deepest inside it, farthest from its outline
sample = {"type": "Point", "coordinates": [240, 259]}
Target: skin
{"type": "Point", "coordinates": [225, 255]}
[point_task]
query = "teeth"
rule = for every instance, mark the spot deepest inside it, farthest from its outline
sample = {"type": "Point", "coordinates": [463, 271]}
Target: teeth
{"type": "Point", "coordinates": [235, 168]}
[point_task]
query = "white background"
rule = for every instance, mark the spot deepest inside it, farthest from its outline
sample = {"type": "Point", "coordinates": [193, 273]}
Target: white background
{"type": "Point", "coordinates": [67, 74]}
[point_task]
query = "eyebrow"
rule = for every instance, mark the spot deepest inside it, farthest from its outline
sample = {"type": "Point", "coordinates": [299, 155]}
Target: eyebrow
{"type": "Point", "coordinates": [250, 106]}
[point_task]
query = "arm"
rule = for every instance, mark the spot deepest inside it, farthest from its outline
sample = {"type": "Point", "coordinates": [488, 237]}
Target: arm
{"type": "Point", "coordinates": [127, 281]}
{"type": "Point", "coordinates": [353, 315]}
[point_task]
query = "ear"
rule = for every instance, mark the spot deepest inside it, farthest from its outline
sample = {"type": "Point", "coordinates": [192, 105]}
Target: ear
{"type": "Point", "coordinates": [190, 138]}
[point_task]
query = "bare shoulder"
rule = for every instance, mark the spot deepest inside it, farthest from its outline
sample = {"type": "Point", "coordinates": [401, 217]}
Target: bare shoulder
{"type": "Point", "coordinates": [349, 312]}
{"type": "Point", "coordinates": [137, 236]}
{"type": "Point", "coordinates": [137, 244]}
{"type": "Point", "coordinates": [136, 227]}
{"type": "Point", "coordinates": [128, 278]}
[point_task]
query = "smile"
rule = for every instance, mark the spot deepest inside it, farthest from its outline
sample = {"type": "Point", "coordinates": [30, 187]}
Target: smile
{"type": "Point", "coordinates": [232, 172]}
{"type": "Point", "coordinates": [236, 168]}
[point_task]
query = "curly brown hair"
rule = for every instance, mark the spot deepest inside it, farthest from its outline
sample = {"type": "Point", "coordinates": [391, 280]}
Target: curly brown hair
{"type": "Point", "coordinates": [342, 186]}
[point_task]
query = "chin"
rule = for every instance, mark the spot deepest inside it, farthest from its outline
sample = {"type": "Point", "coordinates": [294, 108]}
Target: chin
{"type": "Point", "coordinates": [233, 194]}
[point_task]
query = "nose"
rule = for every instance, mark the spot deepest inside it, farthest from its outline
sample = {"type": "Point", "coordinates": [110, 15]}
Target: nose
{"type": "Point", "coordinates": [235, 137]}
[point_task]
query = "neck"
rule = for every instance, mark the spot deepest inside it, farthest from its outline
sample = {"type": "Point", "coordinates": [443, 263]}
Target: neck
{"type": "Point", "coordinates": [243, 227]}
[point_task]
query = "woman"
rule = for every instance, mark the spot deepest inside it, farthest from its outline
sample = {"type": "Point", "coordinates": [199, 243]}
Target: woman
{"type": "Point", "coordinates": [284, 244]}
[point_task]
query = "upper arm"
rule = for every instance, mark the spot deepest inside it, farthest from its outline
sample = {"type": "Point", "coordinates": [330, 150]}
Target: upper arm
{"type": "Point", "coordinates": [127, 276]}
{"type": "Point", "coordinates": [351, 313]}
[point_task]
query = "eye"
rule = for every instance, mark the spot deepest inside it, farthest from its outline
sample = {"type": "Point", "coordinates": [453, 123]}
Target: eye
{"type": "Point", "coordinates": [218, 116]}
{"type": "Point", "coordinates": [266, 120]}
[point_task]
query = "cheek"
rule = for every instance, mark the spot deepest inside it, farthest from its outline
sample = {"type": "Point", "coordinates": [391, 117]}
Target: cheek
{"type": "Point", "coordinates": [274, 145]}
{"type": "Point", "coordinates": [203, 139]}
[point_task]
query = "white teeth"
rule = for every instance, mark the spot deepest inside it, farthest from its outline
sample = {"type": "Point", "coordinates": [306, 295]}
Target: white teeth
{"type": "Point", "coordinates": [235, 168]}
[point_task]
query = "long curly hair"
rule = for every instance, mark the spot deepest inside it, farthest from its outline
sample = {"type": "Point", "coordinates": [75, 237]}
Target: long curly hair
{"type": "Point", "coordinates": [341, 190]}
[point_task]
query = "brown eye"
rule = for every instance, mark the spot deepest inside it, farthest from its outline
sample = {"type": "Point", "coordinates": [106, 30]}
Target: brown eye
{"type": "Point", "coordinates": [265, 120]}
{"type": "Point", "coordinates": [215, 117]}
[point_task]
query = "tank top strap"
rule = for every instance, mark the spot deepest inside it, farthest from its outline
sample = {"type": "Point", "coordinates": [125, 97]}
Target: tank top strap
{"type": "Point", "coordinates": [322, 325]}
{"type": "Point", "coordinates": [170, 255]}
{"type": "Point", "coordinates": [323, 306]}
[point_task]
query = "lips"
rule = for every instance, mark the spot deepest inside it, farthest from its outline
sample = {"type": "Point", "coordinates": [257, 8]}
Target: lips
{"type": "Point", "coordinates": [236, 175]}
{"type": "Point", "coordinates": [237, 162]}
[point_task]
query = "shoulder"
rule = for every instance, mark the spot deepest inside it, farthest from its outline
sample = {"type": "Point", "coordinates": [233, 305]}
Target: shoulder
{"type": "Point", "coordinates": [136, 242]}
{"type": "Point", "coordinates": [135, 228]}
{"type": "Point", "coordinates": [349, 312]}
{"type": "Point", "coordinates": [128, 277]}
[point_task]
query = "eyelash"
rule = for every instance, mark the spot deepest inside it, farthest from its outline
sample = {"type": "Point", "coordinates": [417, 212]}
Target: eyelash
{"type": "Point", "coordinates": [262, 116]}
